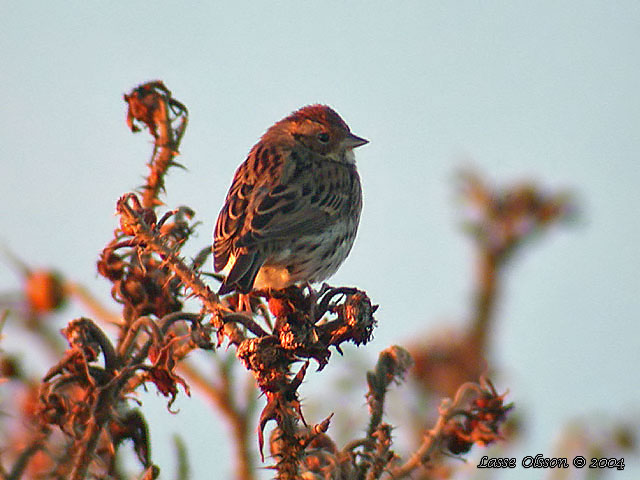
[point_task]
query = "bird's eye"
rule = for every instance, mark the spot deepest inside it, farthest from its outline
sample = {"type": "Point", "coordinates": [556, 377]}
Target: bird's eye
{"type": "Point", "coordinates": [323, 137]}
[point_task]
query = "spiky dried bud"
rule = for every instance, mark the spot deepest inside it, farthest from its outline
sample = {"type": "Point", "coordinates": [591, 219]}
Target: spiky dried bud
{"type": "Point", "coordinates": [110, 265]}
{"type": "Point", "coordinates": [267, 360]}
{"type": "Point", "coordinates": [479, 423]}
{"type": "Point", "coordinates": [129, 226]}
{"type": "Point", "coordinates": [396, 362]}
{"type": "Point", "coordinates": [144, 105]}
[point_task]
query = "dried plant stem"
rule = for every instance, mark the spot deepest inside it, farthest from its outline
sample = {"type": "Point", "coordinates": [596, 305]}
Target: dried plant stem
{"type": "Point", "coordinates": [288, 464]}
{"type": "Point", "coordinates": [376, 402]}
{"type": "Point", "coordinates": [425, 450]}
{"type": "Point", "coordinates": [157, 98]}
{"type": "Point", "coordinates": [382, 454]}
{"type": "Point", "coordinates": [22, 461]}
{"type": "Point", "coordinates": [156, 244]}
{"type": "Point", "coordinates": [221, 396]}
{"type": "Point", "coordinates": [164, 152]}
{"type": "Point", "coordinates": [50, 337]}
{"type": "Point", "coordinates": [90, 439]}
{"type": "Point", "coordinates": [487, 287]}
{"type": "Point", "coordinates": [433, 437]}
{"type": "Point", "coordinates": [375, 398]}
{"type": "Point", "coordinates": [209, 299]}
{"type": "Point", "coordinates": [101, 413]}
{"type": "Point", "coordinates": [92, 304]}
{"type": "Point", "coordinates": [392, 365]}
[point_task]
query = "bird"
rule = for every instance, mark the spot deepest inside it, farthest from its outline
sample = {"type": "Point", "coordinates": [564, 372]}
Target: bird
{"type": "Point", "coordinates": [292, 212]}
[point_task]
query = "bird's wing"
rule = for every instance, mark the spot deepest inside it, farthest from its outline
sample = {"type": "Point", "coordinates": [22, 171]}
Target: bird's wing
{"type": "Point", "coordinates": [231, 219]}
{"type": "Point", "coordinates": [308, 198]}
{"type": "Point", "coordinates": [299, 196]}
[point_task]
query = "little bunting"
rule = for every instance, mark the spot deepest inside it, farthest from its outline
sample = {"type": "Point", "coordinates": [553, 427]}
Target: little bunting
{"type": "Point", "coordinates": [293, 208]}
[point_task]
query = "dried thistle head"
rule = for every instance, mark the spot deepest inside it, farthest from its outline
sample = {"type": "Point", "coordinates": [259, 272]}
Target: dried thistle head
{"type": "Point", "coordinates": [478, 422]}
{"type": "Point", "coordinates": [145, 104]}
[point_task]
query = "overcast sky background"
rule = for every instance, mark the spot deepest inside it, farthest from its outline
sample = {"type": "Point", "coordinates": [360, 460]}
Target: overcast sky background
{"type": "Point", "coordinates": [544, 90]}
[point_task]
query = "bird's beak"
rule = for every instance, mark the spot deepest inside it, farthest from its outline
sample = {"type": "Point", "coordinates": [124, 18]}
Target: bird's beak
{"type": "Point", "coordinates": [353, 141]}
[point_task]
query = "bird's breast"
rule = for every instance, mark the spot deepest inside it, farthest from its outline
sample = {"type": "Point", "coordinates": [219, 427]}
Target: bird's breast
{"type": "Point", "coordinates": [310, 258]}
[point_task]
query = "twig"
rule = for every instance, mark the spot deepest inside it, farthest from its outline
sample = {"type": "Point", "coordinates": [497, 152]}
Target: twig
{"type": "Point", "coordinates": [485, 298]}
{"type": "Point", "coordinates": [153, 105]}
{"type": "Point", "coordinates": [222, 397]}
{"type": "Point", "coordinates": [94, 306]}
{"type": "Point", "coordinates": [22, 461]}
{"type": "Point", "coordinates": [392, 365]}
{"type": "Point", "coordinates": [156, 243]}
{"type": "Point", "coordinates": [433, 437]}
{"type": "Point", "coordinates": [86, 447]}
{"type": "Point", "coordinates": [182, 467]}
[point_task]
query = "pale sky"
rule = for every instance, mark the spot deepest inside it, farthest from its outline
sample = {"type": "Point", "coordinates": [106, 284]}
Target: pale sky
{"type": "Point", "coordinates": [545, 90]}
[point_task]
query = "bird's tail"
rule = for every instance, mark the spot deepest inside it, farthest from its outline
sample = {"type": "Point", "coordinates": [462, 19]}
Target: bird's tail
{"type": "Point", "coordinates": [243, 273]}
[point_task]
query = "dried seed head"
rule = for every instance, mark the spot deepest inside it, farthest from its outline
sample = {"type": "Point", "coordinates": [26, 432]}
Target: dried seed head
{"type": "Point", "coordinates": [129, 225]}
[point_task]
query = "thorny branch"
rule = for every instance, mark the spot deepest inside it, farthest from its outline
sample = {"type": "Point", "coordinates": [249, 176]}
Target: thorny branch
{"type": "Point", "coordinates": [224, 393]}
{"type": "Point", "coordinates": [269, 355]}
{"type": "Point", "coordinates": [393, 364]}
{"type": "Point", "coordinates": [499, 221]}
{"type": "Point", "coordinates": [84, 399]}
{"type": "Point", "coordinates": [153, 105]}
{"type": "Point", "coordinates": [462, 423]}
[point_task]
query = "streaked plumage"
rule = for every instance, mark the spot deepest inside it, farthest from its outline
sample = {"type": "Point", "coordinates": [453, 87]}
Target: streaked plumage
{"type": "Point", "coordinates": [293, 209]}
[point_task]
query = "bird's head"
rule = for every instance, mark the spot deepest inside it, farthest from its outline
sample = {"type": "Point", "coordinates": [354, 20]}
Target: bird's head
{"type": "Point", "coordinates": [320, 129]}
